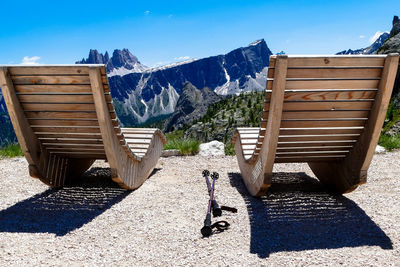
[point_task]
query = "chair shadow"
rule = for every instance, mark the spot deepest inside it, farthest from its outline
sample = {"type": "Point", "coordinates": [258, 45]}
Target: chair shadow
{"type": "Point", "coordinates": [299, 214]}
{"type": "Point", "coordinates": [60, 211]}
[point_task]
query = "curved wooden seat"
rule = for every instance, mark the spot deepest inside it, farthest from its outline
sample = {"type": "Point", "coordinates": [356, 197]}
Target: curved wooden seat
{"type": "Point", "coordinates": [64, 120]}
{"type": "Point", "coordinates": [327, 111]}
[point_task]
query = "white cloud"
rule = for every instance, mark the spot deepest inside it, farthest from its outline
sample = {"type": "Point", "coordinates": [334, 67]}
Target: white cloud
{"type": "Point", "coordinates": [147, 12]}
{"type": "Point", "coordinates": [362, 36]}
{"type": "Point", "coordinates": [30, 60]}
{"type": "Point", "coordinates": [375, 36]}
{"type": "Point", "coordinates": [182, 58]}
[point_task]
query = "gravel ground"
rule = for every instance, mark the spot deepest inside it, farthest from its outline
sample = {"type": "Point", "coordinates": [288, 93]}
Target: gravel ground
{"type": "Point", "coordinates": [93, 222]}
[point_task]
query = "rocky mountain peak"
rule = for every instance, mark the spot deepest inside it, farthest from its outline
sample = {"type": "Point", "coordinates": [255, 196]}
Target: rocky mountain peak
{"type": "Point", "coordinates": [123, 58]}
{"type": "Point", "coordinates": [121, 62]}
{"type": "Point", "coordinates": [396, 26]}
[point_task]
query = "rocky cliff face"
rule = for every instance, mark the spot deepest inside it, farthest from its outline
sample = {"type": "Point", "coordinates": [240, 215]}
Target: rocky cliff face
{"type": "Point", "coordinates": [192, 105]}
{"type": "Point", "coordinates": [368, 50]}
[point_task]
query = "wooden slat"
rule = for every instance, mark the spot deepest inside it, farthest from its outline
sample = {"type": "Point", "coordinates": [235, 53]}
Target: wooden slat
{"type": "Point", "coordinates": [315, 148]}
{"type": "Point", "coordinates": [54, 88]}
{"type": "Point", "coordinates": [325, 114]}
{"type": "Point", "coordinates": [59, 98]}
{"type": "Point", "coordinates": [59, 107]}
{"type": "Point", "coordinates": [329, 84]}
{"type": "Point", "coordinates": [314, 143]}
{"type": "Point", "coordinates": [300, 138]}
{"type": "Point", "coordinates": [327, 105]}
{"type": "Point", "coordinates": [61, 145]}
{"type": "Point", "coordinates": [137, 130]}
{"type": "Point", "coordinates": [138, 136]}
{"type": "Point", "coordinates": [311, 153]}
{"type": "Point", "coordinates": [74, 154]}
{"type": "Point", "coordinates": [331, 73]}
{"type": "Point", "coordinates": [55, 98]}
{"type": "Point", "coordinates": [328, 94]}
{"type": "Point", "coordinates": [50, 122]}
{"type": "Point", "coordinates": [88, 140]}
{"type": "Point", "coordinates": [321, 123]}
{"type": "Point", "coordinates": [49, 70]}
{"type": "Point", "coordinates": [68, 135]}
{"type": "Point", "coordinates": [309, 159]}
{"type": "Point", "coordinates": [332, 61]}
{"type": "Point", "coordinates": [67, 122]}
{"type": "Point", "coordinates": [76, 149]}
{"type": "Point", "coordinates": [62, 129]}
{"type": "Point", "coordinates": [60, 115]}
{"type": "Point", "coordinates": [305, 131]}
{"type": "Point", "coordinates": [144, 146]}
{"type": "Point", "coordinates": [69, 79]}
{"type": "Point", "coordinates": [137, 141]}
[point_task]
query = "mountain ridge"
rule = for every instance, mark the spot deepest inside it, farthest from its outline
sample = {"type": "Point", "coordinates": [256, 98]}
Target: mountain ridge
{"type": "Point", "coordinates": [148, 93]}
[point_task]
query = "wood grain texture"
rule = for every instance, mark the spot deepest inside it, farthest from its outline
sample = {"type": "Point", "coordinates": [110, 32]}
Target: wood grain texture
{"type": "Point", "coordinates": [65, 119]}
{"type": "Point", "coordinates": [333, 109]}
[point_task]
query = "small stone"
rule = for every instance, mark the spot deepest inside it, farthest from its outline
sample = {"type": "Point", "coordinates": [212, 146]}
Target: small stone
{"type": "Point", "coordinates": [379, 149]}
{"type": "Point", "coordinates": [213, 148]}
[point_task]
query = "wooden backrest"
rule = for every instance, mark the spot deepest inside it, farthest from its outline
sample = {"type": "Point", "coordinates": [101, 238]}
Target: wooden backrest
{"type": "Point", "coordinates": [58, 104]}
{"type": "Point", "coordinates": [326, 106]}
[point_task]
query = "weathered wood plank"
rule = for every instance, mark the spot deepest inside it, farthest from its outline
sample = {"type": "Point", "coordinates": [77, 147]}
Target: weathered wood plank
{"type": "Point", "coordinates": [59, 107]}
{"type": "Point", "coordinates": [332, 61]}
{"type": "Point", "coordinates": [49, 70]}
{"type": "Point", "coordinates": [331, 137]}
{"type": "Point", "coordinates": [328, 94]}
{"type": "Point", "coordinates": [313, 131]}
{"type": "Point", "coordinates": [329, 84]}
{"type": "Point", "coordinates": [60, 115]}
{"type": "Point", "coordinates": [314, 143]}
{"type": "Point", "coordinates": [65, 129]}
{"type": "Point", "coordinates": [77, 141]}
{"type": "Point", "coordinates": [331, 72]}
{"type": "Point", "coordinates": [55, 89]}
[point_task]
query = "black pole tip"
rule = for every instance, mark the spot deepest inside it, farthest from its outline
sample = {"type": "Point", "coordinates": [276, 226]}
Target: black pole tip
{"type": "Point", "coordinates": [215, 175]}
{"type": "Point", "coordinates": [206, 231]}
{"type": "Point", "coordinates": [206, 173]}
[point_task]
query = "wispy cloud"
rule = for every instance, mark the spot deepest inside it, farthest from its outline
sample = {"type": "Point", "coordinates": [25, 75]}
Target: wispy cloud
{"type": "Point", "coordinates": [362, 36]}
{"type": "Point", "coordinates": [30, 60]}
{"type": "Point", "coordinates": [147, 12]}
{"type": "Point", "coordinates": [375, 36]}
{"type": "Point", "coordinates": [182, 58]}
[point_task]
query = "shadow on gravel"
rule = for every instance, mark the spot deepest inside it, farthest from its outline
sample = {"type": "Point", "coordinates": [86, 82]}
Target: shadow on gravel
{"type": "Point", "coordinates": [60, 211]}
{"type": "Point", "coordinates": [298, 214]}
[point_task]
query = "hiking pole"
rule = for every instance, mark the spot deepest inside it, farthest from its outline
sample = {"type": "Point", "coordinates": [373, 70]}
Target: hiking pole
{"type": "Point", "coordinates": [216, 210]}
{"type": "Point", "coordinates": [207, 230]}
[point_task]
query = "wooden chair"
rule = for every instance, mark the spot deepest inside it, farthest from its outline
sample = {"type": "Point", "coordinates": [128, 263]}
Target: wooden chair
{"type": "Point", "coordinates": [64, 120]}
{"type": "Point", "coordinates": [327, 111]}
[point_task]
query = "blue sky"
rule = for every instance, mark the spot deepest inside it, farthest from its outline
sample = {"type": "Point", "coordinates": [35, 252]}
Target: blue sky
{"type": "Point", "coordinates": [160, 32]}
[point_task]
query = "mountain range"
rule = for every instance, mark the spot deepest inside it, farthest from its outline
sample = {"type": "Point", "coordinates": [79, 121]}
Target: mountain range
{"type": "Point", "coordinates": [140, 93]}
{"type": "Point", "coordinates": [367, 50]}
